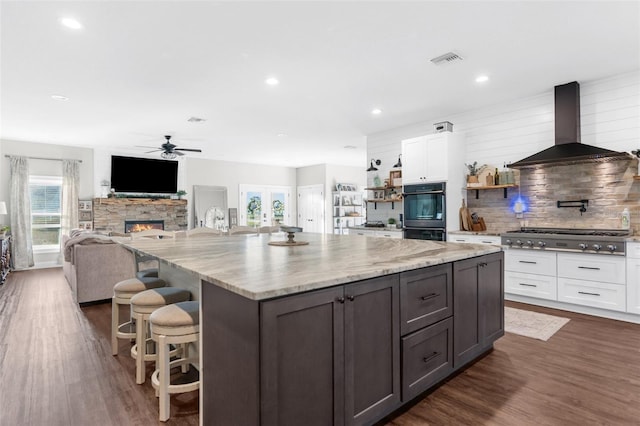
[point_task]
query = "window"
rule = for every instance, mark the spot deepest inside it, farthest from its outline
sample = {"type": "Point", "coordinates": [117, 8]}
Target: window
{"type": "Point", "coordinates": [46, 201]}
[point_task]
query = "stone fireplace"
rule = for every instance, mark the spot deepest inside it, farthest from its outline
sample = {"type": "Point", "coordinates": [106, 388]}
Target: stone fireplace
{"type": "Point", "coordinates": [136, 225]}
{"type": "Point", "coordinates": [110, 214]}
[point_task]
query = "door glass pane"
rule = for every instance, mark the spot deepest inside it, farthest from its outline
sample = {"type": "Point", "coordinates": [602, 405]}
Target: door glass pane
{"type": "Point", "coordinates": [253, 208]}
{"type": "Point", "coordinates": [278, 208]}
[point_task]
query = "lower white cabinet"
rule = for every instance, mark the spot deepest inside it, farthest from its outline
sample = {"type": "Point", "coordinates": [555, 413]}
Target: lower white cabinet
{"type": "Point", "coordinates": [531, 273]}
{"type": "Point", "coordinates": [592, 280]}
{"type": "Point", "coordinates": [474, 238]}
{"type": "Point", "coordinates": [592, 293]}
{"type": "Point", "coordinates": [376, 233]}
{"type": "Point", "coordinates": [633, 278]}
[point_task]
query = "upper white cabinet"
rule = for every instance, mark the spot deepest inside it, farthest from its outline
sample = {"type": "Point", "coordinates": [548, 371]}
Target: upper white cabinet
{"type": "Point", "coordinates": [431, 158]}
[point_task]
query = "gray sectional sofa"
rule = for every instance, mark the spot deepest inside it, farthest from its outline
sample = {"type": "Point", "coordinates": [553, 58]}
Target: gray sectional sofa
{"type": "Point", "coordinates": [93, 264]}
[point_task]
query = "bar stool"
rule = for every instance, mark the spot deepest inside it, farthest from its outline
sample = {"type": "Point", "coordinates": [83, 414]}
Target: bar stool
{"type": "Point", "coordinates": [174, 324]}
{"type": "Point", "coordinates": [142, 305]}
{"type": "Point", "coordinates": [122, 294]}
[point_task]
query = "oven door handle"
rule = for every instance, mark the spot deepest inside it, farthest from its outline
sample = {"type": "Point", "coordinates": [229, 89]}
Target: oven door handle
{"type": "Point", "coordinates": [424, 193]}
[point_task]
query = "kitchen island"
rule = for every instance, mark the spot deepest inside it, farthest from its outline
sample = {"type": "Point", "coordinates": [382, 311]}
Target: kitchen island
{"type": "Point", "coordinates": [344, 330]}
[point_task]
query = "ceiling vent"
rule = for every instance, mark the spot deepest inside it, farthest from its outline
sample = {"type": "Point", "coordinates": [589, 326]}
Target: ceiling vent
{"type": "Point", "coordinates": [447, 57]}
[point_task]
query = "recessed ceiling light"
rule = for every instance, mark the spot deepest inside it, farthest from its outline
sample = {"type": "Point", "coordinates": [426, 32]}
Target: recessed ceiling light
{"type": "Point", "coordinates": [71, 23]}
{"type": "Point", "coordinates": [59, 98]}
{"type": "Point", "coordinates": [376, 111]}
{"type": "Point", "coordinates": [281, 135]}
{"type": "Point", "coordinates": [272, 81]}
{"type": "Point", "coordinates": [482, 79]}
{"type": "Point", "coordinates": [350, 147]}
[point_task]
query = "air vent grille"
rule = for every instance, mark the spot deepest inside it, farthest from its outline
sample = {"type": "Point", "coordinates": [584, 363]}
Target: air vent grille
{"type": "Point", "coordinates": [447, 57]}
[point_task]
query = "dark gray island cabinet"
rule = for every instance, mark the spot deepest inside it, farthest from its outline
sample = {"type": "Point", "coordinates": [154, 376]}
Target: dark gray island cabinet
{"type": "Point", "coordinates": [349, 354]}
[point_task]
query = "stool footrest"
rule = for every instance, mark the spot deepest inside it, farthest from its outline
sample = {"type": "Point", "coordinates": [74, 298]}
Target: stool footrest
{"type": "Point", "coordinates": [177, 388]}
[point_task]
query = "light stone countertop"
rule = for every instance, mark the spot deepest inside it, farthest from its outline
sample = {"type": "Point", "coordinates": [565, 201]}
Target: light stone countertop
{"type": "Point", "coordinates": [247, 265]}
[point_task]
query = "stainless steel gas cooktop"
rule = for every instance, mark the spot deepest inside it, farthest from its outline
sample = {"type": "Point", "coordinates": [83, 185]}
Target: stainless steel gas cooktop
{"type": "Point", "coordinates": [600, 241]}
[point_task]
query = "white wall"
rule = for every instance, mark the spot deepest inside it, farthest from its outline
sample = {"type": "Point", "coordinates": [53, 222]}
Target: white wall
{"type": "Point", "coordinates": [510, 131]}
{"type": "Point", "coordinates": [232, 174]}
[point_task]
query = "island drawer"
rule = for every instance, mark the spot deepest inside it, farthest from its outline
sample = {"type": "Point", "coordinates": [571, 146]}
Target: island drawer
{"type": "Point", "coordinates": [425, 297]}
{"type": "Point", "coordinates": [427, 357]}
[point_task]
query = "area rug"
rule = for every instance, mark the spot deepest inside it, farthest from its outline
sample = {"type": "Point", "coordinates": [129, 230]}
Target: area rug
{"type": "Point", "coordinates": [532, 324]}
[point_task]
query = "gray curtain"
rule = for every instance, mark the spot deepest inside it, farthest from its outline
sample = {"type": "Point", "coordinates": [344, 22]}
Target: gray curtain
{"type": "Point", "coordinates": [70, 183]}
{"type": "Point", "coordinates": [21, 246]}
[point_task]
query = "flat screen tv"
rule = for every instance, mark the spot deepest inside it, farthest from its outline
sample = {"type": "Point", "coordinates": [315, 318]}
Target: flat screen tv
{"type": "Point", "coordinates": [143, 175]}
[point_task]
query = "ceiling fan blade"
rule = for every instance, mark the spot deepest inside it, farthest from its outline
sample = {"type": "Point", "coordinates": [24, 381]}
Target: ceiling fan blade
{"type": "Point", "coordinates": [155, 150]}
{"type": "Point", "coordinates": [188, 149]}
{"type": "Point", "coordinates": [146, 146]}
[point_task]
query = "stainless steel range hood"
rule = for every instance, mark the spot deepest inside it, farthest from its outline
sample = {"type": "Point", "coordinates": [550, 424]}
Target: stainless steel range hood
{"type": "Point", "coordinates": [568, 149]}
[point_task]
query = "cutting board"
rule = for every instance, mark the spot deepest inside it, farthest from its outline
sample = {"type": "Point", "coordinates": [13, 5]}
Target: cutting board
{"type": "Point", "coordinates": [465, 217]}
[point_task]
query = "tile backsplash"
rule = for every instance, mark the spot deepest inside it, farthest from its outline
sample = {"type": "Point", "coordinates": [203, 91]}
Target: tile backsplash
{"type": "Point", "coordinates": [609, 187]}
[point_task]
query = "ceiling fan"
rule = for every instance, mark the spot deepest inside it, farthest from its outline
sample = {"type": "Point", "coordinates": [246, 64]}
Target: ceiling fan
{"type": "Point", "coordinates": [171, 151]}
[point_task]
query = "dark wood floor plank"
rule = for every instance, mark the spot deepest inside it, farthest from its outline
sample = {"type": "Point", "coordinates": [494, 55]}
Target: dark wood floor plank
{"type": "Point", "coordinates": [56, 368]}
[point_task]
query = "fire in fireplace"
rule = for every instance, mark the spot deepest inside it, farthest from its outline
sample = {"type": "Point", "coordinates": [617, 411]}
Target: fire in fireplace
{"type": "Point", "coordinates": [142, 225]}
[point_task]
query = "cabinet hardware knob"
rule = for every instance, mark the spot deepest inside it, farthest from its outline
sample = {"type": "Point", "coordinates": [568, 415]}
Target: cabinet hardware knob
{"type": "Point", "coordinates": [340, 299]}
{"type": "Point", "coordinates": [432, 356]}
{"type": "Point", "coordinates": [351, 298]}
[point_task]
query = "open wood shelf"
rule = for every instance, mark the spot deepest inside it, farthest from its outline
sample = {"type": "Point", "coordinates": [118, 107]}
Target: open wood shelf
{"type": "Point", "coordinates": [503, 187]}
{"type": "Point", "coordinates": [636, 177]}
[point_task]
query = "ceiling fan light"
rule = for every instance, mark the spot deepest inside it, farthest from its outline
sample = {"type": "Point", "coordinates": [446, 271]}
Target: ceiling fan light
{"type": "Point", "coordinates": [168, 155]}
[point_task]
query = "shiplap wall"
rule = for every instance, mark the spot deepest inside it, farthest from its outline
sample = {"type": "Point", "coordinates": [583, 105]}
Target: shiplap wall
{"type": "Point", "coordinates": [510, 131]}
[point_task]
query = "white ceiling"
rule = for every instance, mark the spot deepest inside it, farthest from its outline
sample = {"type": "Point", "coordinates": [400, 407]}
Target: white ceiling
{"type": "Point", "coordinates": [139, 70]}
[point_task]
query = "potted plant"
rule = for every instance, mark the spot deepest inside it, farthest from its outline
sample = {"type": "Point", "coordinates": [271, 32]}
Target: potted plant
{"type": "Point", "coordinates": [181, 193]}
{"type": "Point", "coordinates": [391, 221]}
{"type": "Point", "coordinates": [3, 230]}
{"type": "Point", "coordinates": [474, 171]}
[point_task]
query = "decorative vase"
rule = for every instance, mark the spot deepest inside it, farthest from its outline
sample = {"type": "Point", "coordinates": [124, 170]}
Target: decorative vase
{"type": "Point", "coordinates": [472, 179]}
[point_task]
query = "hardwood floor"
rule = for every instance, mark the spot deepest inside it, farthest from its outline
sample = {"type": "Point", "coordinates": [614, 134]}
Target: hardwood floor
{"type": "Point", "coordinates": [56, 368]}
{"type": "Point", "coordinates": [56, 362]}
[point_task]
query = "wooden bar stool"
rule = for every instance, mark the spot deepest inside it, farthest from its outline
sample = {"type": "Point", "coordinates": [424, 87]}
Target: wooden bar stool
{"type": "Point", "coordinates": [122, 294]}
{"type": "Point", "coordinates": [177, 324]}
{"type": "Point", "coordinates": [143, 305]}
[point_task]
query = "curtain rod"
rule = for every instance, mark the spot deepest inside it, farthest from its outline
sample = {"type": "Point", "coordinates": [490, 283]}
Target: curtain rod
{"type": "Point", "coordinates": [40, 158]}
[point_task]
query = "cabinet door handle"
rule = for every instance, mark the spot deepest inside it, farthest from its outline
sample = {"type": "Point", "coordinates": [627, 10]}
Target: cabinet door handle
{"type": "Point", "coordinates": [351, 298]}
{"type": "Point", "coordinates": [528, 285]}
{"type": "Point", "coordinates": [429, 296]}
{"type": "Point", "coordinates": [340, 299]}
{"type": "Point", "coordinates": [528, 261]}
{"type": "Point", "coordinates": [488, 242]}
{"type": "Point", "coordinates": [482, 264]}
{"type": "Point", "coordinates": [461, 241]}
{"type": "Point", "coordinates": [590, 294]}
{"type": "Point", "coordinates": [430, 357]}
{"type": "Point", "coordinates": [589, 267]}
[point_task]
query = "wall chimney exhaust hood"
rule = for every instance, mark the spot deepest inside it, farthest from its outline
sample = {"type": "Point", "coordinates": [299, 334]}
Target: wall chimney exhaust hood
{"type": "Point", "coordinates": [568, 149]}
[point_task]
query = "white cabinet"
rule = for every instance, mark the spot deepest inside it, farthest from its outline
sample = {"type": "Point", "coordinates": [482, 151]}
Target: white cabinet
{"type": "Point", "coordinates": [431, 158]}
{"type": "Point", "coordinates": [376, 233]}
{"type": "Point", "coordinates": [475, 239]}
{"type": "Point", "coordinates": [348, 210]}
{"type": "Point", "coordinates": [592, 280]}
{"type": "Point", "coordinates": [633, 278]}
{"type": "Point", "coordinates": [530, 273]}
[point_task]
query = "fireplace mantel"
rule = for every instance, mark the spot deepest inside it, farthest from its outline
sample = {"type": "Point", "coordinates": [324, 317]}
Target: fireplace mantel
{"type": "Point", "coordinates": [109, 214]}
{"type": "Point", "coordinates": [137, 201]}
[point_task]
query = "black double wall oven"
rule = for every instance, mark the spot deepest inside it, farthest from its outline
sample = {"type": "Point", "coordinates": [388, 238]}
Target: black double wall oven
{"type": "Point", "coordinates": [425, 211]}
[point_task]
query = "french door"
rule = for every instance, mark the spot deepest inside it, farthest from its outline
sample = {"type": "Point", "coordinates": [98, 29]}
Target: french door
{"type": "Point", "coordinates": [264, 205]}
